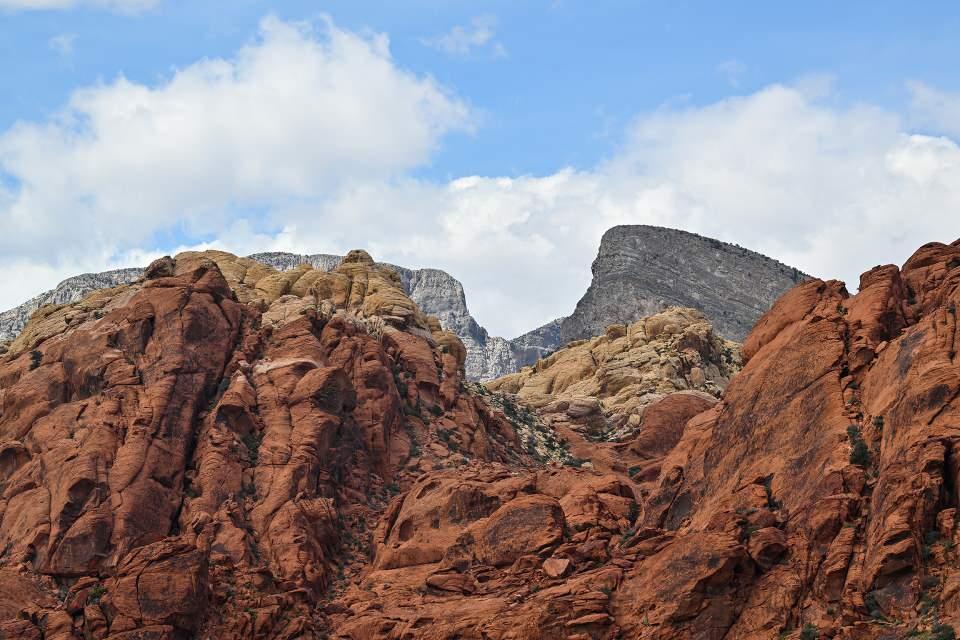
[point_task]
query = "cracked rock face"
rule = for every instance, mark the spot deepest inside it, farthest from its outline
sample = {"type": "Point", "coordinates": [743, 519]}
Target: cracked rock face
{"type": "Point", "coordinates": [641, 270]}
{"type": "Point", "coordinates": [817, 498]}
{"type": "Point", "coordinates": [209, 430]}
{"type": "Point", "coordinates": [223, 450]}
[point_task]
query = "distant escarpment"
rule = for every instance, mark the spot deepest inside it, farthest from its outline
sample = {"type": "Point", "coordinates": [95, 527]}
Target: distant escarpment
{"type": "Point", "coordinates": [70, 290]}
{"type": "Point", "coordinates": [436, 292]}
{"type": "Point", "coordinates": [641, 270]}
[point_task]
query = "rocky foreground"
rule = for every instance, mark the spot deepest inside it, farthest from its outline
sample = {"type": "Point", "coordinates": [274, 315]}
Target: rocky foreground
{"type": "Point", "coordinates": [222, 450]}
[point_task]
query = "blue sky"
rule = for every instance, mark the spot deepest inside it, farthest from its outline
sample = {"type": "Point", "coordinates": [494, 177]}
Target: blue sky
{"type": "Point", "coordinates": [575, 72]}
{"type": "Point", "coordinates": [549, 121]}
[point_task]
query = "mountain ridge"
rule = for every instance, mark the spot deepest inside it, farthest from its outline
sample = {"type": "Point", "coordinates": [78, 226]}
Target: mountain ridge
{"type": "Point", "coordinates": [639, 271]}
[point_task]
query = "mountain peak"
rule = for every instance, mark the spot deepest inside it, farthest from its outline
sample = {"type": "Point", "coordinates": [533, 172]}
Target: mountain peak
{"type": "Point", "coordinates": [641, 269]}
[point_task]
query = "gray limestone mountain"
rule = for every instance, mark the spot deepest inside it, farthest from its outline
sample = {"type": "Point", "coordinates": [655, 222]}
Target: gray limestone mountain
{"type": "Point", "coordinates": [435, 292]}
{"type": "Point", "coordinates": [70, 290]}
{"type": "Point", "coordinates": [641, 270]}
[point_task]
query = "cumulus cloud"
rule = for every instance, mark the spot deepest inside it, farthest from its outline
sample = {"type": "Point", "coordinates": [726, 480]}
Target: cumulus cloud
{"type": "Point", "coordinates": [936, 109]}
{"type": "Point", "coordinates": [121, 6]}
{"type": "Point", "coordinates": [309, 140]}
{"type": "Point", "coordinates": [831, 191]}
{"type": "Point", "coordinates": [461, 40]}
{"type": "Point", "coordinates": [295, 114]}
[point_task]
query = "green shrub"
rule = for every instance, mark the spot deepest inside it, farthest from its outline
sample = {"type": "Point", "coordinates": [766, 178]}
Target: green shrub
{"type": "Point", "coordinates": [809, 632]}
{"type": "Point", "coordinates": [872, 606]}
{"type": "Point", "coordinates": [531, 445]}
{"type": "Point", "coordinates": [96, 593]}
{"type": "Point", "coordinates": [860, 454]}
{"type": "Point", "coordinates": [772, 503]}
{"type": "Point", "coordinates": [943, 632]}
{"type": "Point", "coordinates": [35, 358]}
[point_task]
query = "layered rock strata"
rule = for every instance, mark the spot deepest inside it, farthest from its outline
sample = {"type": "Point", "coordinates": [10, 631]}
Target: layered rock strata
{"type": "Point", "coordinates": [640, 270]}
{"type": "Point", "coordinates": [817, 498]}
{"type": "Point", "coordinates": [202, 453]}
{"type": "Point", "coordinates": [219, 451]}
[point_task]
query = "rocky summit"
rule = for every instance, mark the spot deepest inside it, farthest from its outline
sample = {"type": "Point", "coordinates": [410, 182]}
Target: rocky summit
{"type": "Point", "coordinates": [441, 295]}
{"type": "Point", "coordinates": [640, 270]}
{"type": "Point", "coordinates": [224, 450]}
{"type": "Point", "coordinates": [436, 292]}
{"type": "Point", "coordinates": [603, 387]}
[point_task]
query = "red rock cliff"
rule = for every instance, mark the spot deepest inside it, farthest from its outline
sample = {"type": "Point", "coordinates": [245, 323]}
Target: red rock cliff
{"type": "Point", "coordinates": [203, 453]}
{"type": "Point", "coordinates": [223, 451]}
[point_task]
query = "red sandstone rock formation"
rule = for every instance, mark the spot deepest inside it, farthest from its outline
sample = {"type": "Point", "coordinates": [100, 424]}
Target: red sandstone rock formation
{"type": "Point", "coordinates": [226, 452]}
{"type": "Point", "coordinates": [176, 464]}
{"type": "Point", "coordinates": [817, 499]}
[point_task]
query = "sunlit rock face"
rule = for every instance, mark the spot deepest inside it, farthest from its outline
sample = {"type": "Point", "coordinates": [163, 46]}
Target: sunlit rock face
{"type": "Point", "coordinates": [225, 450]}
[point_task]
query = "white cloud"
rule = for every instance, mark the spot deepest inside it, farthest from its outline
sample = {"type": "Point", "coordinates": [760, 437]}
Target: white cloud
{"type": "Point", "coordinates": [933, 108]}
{"type": "Point", "coordinates": [831, 191]}
{"type": "Point", "coordinates": [63, 44]}
{"type": "Point", "coordinates": [479, 35]}
{"type": "Point", "coordinates": [120, 6]}
{"type": "Point", "coordinates": [309, 141]}
{"type": "Point", "coordinates": [291, 117]}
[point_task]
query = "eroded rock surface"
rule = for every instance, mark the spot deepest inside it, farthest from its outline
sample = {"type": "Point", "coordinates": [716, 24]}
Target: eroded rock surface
{"type": "Point", "coordinates": [226, 451]}
{"type": "Point", "coordinates": [817, 498]}
{"type": "Point", "coordinates": [203, 452]}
